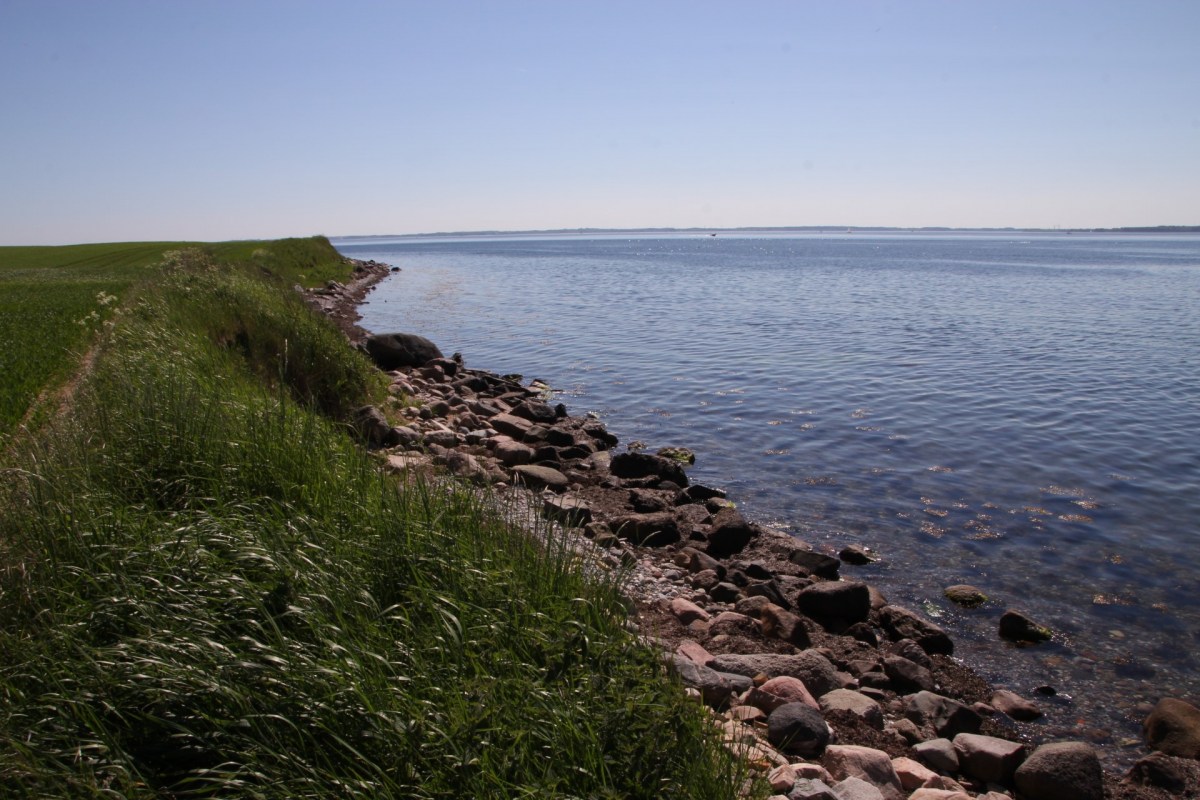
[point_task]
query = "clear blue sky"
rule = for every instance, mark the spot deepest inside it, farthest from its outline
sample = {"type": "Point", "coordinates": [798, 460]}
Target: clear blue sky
{"type": "Point", "coordinates": [220, 119]}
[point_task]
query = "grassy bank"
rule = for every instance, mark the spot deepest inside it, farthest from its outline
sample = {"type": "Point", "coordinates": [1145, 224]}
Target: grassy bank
{"type": "Point", "coordinates": [209, 591]}
{"type": "Point", "coordinates": [53, 301]}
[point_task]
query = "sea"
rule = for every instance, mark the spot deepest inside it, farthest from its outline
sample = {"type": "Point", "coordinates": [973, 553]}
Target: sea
{"type": "Point", "coordinates": [1015, 411]}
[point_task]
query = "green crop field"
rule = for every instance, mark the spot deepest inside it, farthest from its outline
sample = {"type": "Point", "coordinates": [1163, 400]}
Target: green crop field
{"type": "Point", "coordinates": [53, 300]}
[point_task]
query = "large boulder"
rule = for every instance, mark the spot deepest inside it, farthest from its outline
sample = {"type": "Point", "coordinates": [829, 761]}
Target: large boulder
{"type": "Point", "coordinates": [900, 623]}
{"type": "Point", "coordinates": [645, 465]}
{"type": "Point", "coordinates": [1061, 771]}
{"type": "Point", "coordinates": [814, 669]}
{"type": "Point", "coordinates": [799, 729]}
{"type": "Point", "coordinates": [988, 758]}
{"type": "Point", "coordinates": [395, 350]}
{"type": "Point", "coordinates": [714, 688]}
{"type": "Point", "coordinates": [866, 763]}
{"type": "Point", "coordinates": [946, 716]}
{"type": "Point", "coordinates": [835, 604]}
{"type": "Point", "coordinates": [1173, 727]}
{"type": "Point", "coordinates": [730, 534]}
{"type": "Point", "coordinates": [780, 691]}
{"type": "Point", "coordinates": [648, 530]}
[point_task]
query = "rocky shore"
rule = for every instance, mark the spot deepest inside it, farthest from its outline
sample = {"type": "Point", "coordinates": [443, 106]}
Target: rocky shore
{"type": "Point", "coordinates": [811, 675]}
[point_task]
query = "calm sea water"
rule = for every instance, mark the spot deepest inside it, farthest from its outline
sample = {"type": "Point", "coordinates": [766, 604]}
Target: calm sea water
{"type": "Point", "coordinates": [1017, 412]}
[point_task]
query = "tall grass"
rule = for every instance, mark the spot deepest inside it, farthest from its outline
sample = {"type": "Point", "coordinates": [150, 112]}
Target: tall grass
{"type": "Point", "coordinates": [209, 591]}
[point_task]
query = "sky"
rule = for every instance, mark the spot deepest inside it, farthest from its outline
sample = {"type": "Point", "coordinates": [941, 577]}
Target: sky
{"type": "Point", "coordinates": [249, 119]}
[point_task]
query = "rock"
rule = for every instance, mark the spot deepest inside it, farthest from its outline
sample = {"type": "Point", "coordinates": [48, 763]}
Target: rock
{"type": "Point", "coordinates": [856, 703]}
{"type": "Point", "coordinates": [725, 592]}
{"type": "Point", "coordinates": [464, 465]}
{"type": "Point", "coordinates": [540, 477]}
{"type": "Point", "coordinates": [1173, 727]}
{"type": "Point", "coordinates": [445, 439]}
{"type": "Point", "coordinates": [798, 728]}
{"type": "Point", "coordinates": [900, 623]}
{"type": "Point", "coordinates": [1015, 706]}
{"type": "Point", "coordinates": [570, 511]}
{"type": "Point", "coordinates": [948, 717]}
{"type": "Point", "coordinates": [713, 688]}
{"type": "Point", "coordinates": [695, 561]}
{"type": "Point", "coordinates": [871, 765]}
{"type": "Point", "coordinates": [687, 647]}
{"type": "Point", "coordinates": [511, 425]}
{"type": "Point", "coordinates": [779, 623]}
{"type": "Point", "coordinates": [392, 351]}
{"type": "Point", "coordinates": [648, 530]}
{"type": "Point", "coordinates": [688, 612]}
{"type": "Point", "coordinates": [939, 754]}
{"type": "Point", "coordinates": [835, 604]}
{"type": "Point", "coordinates": [645, 501]}
{"type": "Point", "coordinates": [536, 411]}
{"type": "Point", "coordinates": [855, 554]}
{"type": "Point", "coordinates": [965, 595]}
{"type": "Point", "coordinates": [814, 669]}
{"type": "Point", "coordinates": [1017, 627]}
{"type": "Point", "coordinates": [1169, 773]}
{"type": "Point", "coordinates": [698, 493]}
{"type": "Point", "coordinates": [856, 789]}
{"type": "Point", "coordinates": [907, 676]}
{"type": "Point", "coordinates": [373, 428]}
{"type": "Point", "coordinates": [730, 623]}
{"type": "Point", "coordinates": [988, 758]}
{"type": "Point", "coordinates": [772, 591]}
{"type": "Point", "coordinates": [1061, 771]}
{"type": "Point", "coordinates": [513, 453]}
{"type": "Point", "coordinates": [776, 692]}
{"type": "Point", "coordinates": [407, 462]}
{"type": "Point", "coordinates": [912, 774]}
{"type": "Point", "coordinates": [938, 794]}
{"type": "Point", "coordinates": [816, 563]}
{"type": "Point", "coordinates": [645, 465]}
{"type": "Point", "coordinates": [729, 535]}
{"type": "Point", "coordinates": [782, 778]}
{"type": "Point", "coordinates": [811, 789]}
{"type": "Point", "coordinates": [681, 454]}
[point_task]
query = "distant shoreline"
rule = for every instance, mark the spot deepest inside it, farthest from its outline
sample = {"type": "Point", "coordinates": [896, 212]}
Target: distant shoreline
{"type": "Point", "coordinates": [830, 229]}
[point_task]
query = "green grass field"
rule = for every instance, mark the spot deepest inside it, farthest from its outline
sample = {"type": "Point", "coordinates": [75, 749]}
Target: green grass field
{"type": "Point", "coordinates": [207, 589]}
{"type": "Point", "coordinates": [53, 300]}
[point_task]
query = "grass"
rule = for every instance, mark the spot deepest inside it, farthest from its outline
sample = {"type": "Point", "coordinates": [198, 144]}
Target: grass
{"type": "Point", "coordinates": [53, 300]}
{"type": "Point", "coordinates": [210, 591]}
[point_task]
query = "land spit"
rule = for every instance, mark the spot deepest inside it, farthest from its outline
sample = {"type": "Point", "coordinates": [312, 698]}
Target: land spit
{"type": "Point", "coordinates": [812, 677]}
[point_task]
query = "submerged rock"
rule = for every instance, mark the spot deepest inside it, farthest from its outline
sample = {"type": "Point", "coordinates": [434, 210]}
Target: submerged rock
{"type": "Point", "coordinates": [1017, 627]}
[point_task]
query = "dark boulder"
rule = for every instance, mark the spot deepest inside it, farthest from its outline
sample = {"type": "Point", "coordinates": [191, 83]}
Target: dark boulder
{"type": "Point", "coordinates": [948, 717]}
{"type": "Point", "coordinates": [645, 465]}
{"type": "Point", "coordinates": [1171, 774]}
{"type": "Point", "coordinates": [395, 350]}
{"type": "Point", "coordinates": [730, 534]}
{"type": "Point", "coordinates": [698, 493]}
{"type": "Point", "coordinates": [373, 428]}
{"type": "Point", "coordinates": [900, 623]}
{"type": "Point", "coordinates": [798, 728]}
{"type": "Point", "coordinates": [1017, 627]}
{"type": "Point", "coordinates": [835, 604]}
{"type": "Point", "coordinates": [815, 563]}
{"type": "Point", "coordinates": [649, 530]}
{"type": "Point", "coordinates": [1173, 727]}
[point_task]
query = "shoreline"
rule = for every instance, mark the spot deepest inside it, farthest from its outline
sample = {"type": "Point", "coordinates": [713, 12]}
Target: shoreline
{"type": "Point", "coordinates": [709, 585]}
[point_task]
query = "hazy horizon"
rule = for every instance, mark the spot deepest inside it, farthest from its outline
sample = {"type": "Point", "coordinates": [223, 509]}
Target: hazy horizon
{"type": "Point", "coordinates": [139, 120]}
